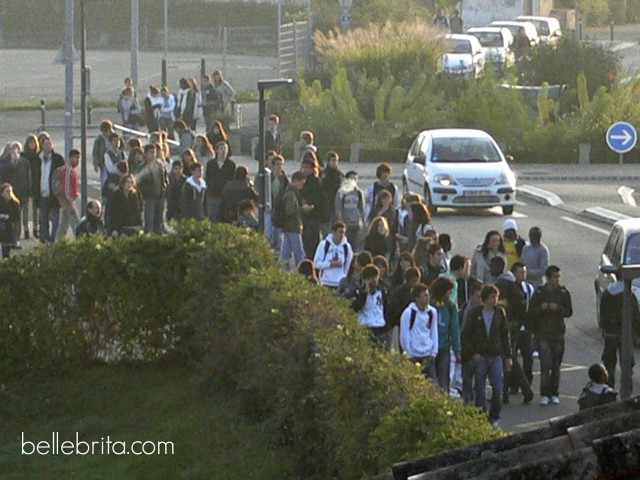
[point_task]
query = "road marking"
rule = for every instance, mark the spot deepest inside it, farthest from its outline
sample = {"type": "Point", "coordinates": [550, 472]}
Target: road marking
{"type": "Point", "coordinates": [622, 46]}
{"type": "Point", "coordinates": [519, 215]}
{"type": "Point", "coordinates": [522, 204]}
{"type": "Point", "coordinates": [586, 225]}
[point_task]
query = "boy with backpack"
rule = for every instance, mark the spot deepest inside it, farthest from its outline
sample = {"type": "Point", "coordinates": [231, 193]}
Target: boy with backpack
{"type": "Point", "coordinates": [333, 256]}
{"type": "Point", "coordinates": [419, 330]}
{"type": "Point", "coordinates": [596, 392]}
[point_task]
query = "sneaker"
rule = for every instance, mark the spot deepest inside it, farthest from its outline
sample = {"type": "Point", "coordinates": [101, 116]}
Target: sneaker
{"type": "Point", "coordinates": [555, 400]}
{"type": "Point", "coordinates": [544, 400]}
{"type": "Point", "coordinates": [495, 424]}
{"type": "Point", "coordinates": [454, 393]}
{"type": "Point", "coordinates": [535, 354]}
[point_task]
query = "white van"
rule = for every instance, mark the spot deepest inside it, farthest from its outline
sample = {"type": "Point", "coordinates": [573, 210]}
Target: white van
{"type": "Point", "coordinates": [459, 167]}
{"type": "Point", "coordinates": [548, 28]}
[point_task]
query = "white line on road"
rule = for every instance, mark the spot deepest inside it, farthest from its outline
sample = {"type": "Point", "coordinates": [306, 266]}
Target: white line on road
{"type": "Point", "coordinates": [622, 46]}
{"type": "Point", "coordinates": [586, 225]}
{"type": "Point", "coordinates": [518, 202]}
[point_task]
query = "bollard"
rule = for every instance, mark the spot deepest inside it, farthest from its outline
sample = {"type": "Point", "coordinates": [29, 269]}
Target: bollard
{"type": "Point", "coordinates": [203, 68]}
{"type": "Point", "coordinates": [164, 72]}
{"type": "Point", "coordinates": [612, 23]}
{"type": "Point", "coordinates": [43, 109]}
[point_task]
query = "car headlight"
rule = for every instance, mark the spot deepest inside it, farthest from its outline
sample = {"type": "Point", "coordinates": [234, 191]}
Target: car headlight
{"type": "Point", "coordinates": [506, 177]}
{"type": "Point", "coordinates": [445, 180]}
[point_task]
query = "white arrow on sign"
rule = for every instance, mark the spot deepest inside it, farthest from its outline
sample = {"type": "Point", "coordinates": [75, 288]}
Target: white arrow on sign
{"type": "Point", "coordinates": [626, 137]}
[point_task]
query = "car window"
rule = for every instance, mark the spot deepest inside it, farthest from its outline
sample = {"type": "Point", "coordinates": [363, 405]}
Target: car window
{"type": "Point", "coordinates": [542, 27]}
{"type": "Point", "coordinates": [489, 39]}
{"type": "Point", "coordinates": [415, 148]}
{"type": "Point", "coordinates": [616, 254]}
{"type": "Point", "coordinates": [632, 257]}
{"type": "Point", "coordinates": [611, 243]}
{"type": "Point", "coordinates": [468, 150]}
{"type": "Point", "coordinates": [457, 46]}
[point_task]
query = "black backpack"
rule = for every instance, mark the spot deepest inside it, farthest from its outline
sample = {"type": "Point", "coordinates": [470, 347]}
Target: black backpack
{"type": "Point", "coordinates": [412, 320]}
{"type": "Point", "coordinates": [327, 246]}
{"type": "Point", "coordinates": [278, 212]}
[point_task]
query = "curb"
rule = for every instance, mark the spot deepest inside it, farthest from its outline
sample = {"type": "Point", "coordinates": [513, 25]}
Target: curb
{"type": "Point", "coordinates": [540, 195]}
{"type": "Point", "coordinates": [603, 215]}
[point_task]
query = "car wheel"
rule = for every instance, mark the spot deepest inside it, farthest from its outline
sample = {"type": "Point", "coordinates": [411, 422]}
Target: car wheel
{"type": "Point", "coordinates": [508, 210]}
{"type": "Point", "coordinates": [433, 210]}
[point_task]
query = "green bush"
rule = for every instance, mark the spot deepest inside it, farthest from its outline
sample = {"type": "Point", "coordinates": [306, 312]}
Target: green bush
{"type": "Point", "coordinates": [214, 294]}
{"type": "Point", "coordinates": [565, 63]}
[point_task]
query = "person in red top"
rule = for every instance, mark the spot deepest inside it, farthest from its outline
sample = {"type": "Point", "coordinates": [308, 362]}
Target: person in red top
{"type": "Point", "coordinates": [69, 193]}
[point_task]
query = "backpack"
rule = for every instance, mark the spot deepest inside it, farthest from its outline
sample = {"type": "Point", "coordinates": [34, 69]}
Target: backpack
{"type": "Point", "coordinates": [412, 320]}
{"type": "Point", "coordinates": [327, 246]}
{"type": "Point", "coordinates": [589, 399]}
{"type": "Point", "coordinates": [278, 212]}
{"type": "Point", "coordinates": [360, 199]}
{"type": "Point", "coordinates": [56, 182]}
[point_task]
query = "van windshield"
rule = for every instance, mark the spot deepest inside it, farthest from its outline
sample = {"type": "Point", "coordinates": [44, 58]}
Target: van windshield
{"type": "Point", "coordinates": [460, 149]}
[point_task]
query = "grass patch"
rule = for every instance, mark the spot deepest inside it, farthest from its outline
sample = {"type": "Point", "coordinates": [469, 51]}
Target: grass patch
{"type": "Point", "coordinates": [211, 436]}
{"type": "Point", "coordinates": [52, 105]}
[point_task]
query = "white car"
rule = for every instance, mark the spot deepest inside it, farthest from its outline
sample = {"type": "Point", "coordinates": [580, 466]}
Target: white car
{"type": "Point", "coordinates": [463, 55]}
{"type": "Point", "coordinates": [548, 28]}
{"type": "Point", "coordinates": [514, 26]}
{"type": "Point", "coordinates": [496, 43]}
{"type": "Point", "coordinates": [459, 167]}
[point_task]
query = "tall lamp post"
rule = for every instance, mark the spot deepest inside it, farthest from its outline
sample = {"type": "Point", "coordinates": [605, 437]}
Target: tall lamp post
{"type": "Point", "coordinates": [262, 86]}
{"type": "Point", "coordinates": [83, 108]}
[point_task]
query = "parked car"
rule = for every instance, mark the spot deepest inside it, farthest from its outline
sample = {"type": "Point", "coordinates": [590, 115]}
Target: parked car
{"type": "Point", "coordinates": [548, 28]}
{"type": "Point", "coordinates": [514, 26]}
{"type": "Point", "coordinates": [496, 45]}
{"type": "Point", "coordinates": [462, 55]}
{"type": "Point", "coordinates": [459, 167]}
{"type": "Point", "coordinates": [622, 248]}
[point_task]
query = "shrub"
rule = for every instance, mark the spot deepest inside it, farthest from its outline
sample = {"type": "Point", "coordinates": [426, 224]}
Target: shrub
{"type": "Point", "coordinates": [563, 64]}
{"type": "Point", "coordinates": [294, 351]}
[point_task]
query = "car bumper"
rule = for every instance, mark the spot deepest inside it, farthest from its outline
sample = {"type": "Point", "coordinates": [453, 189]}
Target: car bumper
{"type": "Point", "coordinates": [503, 195]}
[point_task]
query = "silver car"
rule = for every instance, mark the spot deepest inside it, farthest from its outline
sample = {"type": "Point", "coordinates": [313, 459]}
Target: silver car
{"type": "Point", "coordinates": [496, 43]}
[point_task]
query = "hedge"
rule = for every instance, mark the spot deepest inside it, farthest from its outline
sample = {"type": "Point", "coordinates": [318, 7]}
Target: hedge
{"type": "Point", "coordinates": [307, 372]}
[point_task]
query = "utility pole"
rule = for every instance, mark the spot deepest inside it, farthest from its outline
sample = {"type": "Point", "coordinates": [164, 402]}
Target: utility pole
{"type": "Point", "coordinates": [135, 8]}
{"type": "Point", "coordinates": [68, 78]}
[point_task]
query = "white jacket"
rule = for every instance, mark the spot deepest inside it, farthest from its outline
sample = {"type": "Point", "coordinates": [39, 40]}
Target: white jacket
{"type": "Point", "coordinates": [421, 340]}
{"type": "Point", "coordinates": [328, 252]}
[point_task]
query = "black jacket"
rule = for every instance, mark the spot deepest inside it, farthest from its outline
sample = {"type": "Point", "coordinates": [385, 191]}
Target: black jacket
{"type": "Point", "coordinates": [313, 194]}
{"type": "Point", "coordinates": [611, 306]}
{"type": "Point", "coordinates": [549, 324]}
{"type": "Point", "coordinates": [475, 338]}
{"type": "Point", "coordinates": [217, 177]}
{"type": "Point", "coordinates": [36, 175]}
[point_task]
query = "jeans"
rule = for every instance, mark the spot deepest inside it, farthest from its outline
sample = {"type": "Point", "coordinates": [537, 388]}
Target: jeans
{"type": "Point", "coordinates": [443, 368]}
{"type": "Point", "coordinates": [153, 210]}
{"type": "Point", "coordinates": [491, 367]}
{"type": "Point", "coordinates": [517, 377]}
{"type": "Point", "coordinates": [214, 207]}
{"type": "Point", "coordinates": [49, 218]}
{"type": "Point", "coordinates": [353, 234]}
{"type": "Point", "coordinates": [524, 343]}
{"type": "Point", "coordinates": [467, 382]}
{"type": "Point", "coordinates": [292, 245]}
{"type": "Point", "coordinates": [612, 349]}
{"type": "Point", "coordinates": [311, 237]}
{"type": "Point", "coordinates": [428, 367]}
{"type": "Point", "coordinates": [551, 353]}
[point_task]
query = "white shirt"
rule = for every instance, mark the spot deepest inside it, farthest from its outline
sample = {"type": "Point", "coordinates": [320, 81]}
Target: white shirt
{"type": "Point", "coordinates": [45, 188]}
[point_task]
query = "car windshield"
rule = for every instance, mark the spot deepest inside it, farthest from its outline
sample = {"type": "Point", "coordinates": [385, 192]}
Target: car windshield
{"type": "Point", "coordinates": [489, 39]}
{"type": "Point", "coordinates": [457, 46]}
{"type": "Point", "coordinates": [541, 27]}
{"type": "Point", "coordinates": [460, 149]}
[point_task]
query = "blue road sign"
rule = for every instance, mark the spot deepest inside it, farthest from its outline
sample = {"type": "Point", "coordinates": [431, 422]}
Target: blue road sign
{"type": "Point", "coordinates": [621, 137]}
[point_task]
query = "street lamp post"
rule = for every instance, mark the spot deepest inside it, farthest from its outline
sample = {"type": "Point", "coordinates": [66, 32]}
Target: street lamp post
{"type": "Point", "coordinates": [83, 109]}
{"type": "Point", "coordinates": [262, 86]}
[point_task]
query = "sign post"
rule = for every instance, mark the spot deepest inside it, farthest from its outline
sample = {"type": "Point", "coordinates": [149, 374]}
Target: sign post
{"type": "Point", "coordinates": [621, 138]}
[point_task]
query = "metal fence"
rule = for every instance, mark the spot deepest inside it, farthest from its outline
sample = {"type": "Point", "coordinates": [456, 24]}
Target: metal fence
{"type": "Point", "coordinates": [294, 48]}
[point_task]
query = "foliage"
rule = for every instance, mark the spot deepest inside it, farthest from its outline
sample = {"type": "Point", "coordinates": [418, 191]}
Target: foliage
{"type": "Point", "coordinates": [381, 50]}
{"type": "Point", "coordinates": [563, 64]}
{"type": "Point", "coordinates": [498, 111]}
{"type": "Point", "coordinates": [134, 402]}
{"type": "Point", "coordinates": [317, 377]}
{"type": "Point", "coordinates": [213, 295]}
{"type": "Point", "coordinates": [373, 12]}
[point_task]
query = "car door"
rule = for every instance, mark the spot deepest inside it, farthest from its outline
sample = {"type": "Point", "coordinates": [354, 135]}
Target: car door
{"type": "Point", "coordinates": [416, 164]}
{"type": "Point", "coordinates": [610, 257]}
